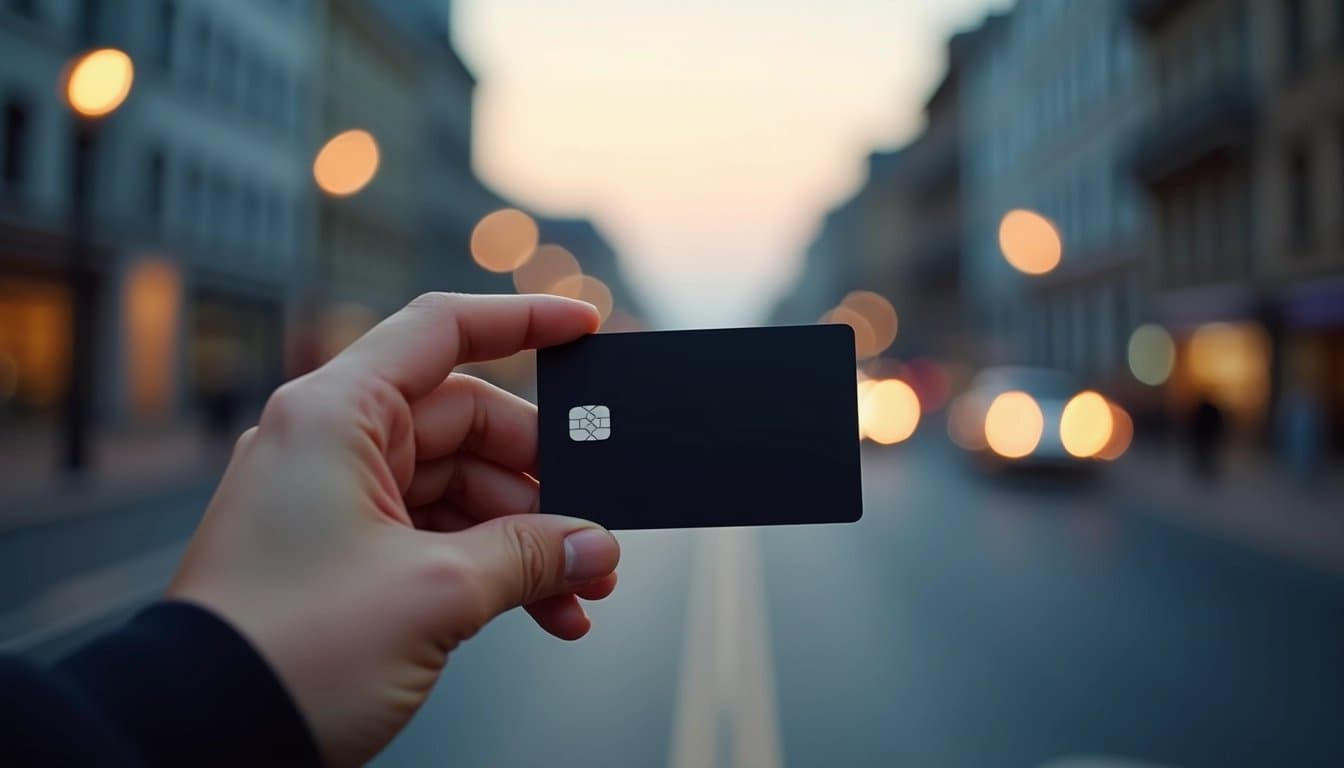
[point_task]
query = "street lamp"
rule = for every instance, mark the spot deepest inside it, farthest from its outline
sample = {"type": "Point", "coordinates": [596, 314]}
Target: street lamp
{"type": "Point", "coordinates": [96, 83]}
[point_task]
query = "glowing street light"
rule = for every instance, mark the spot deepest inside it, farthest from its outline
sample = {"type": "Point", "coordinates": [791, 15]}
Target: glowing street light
{"type": "Point", "coordinates": [97, 82]}
{"type": "Point", "coordinates": [1030, 242]}
{"type": "Point", "coordinates": [94, 85]}
{"type": "Point", "coordinates": [346, 163]}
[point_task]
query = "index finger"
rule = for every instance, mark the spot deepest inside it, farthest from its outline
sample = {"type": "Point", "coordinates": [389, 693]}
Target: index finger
{"type": "Point", "coordinates": [417, 347]}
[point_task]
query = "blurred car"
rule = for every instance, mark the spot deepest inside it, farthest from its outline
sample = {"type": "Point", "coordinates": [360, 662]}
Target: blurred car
{"type": "Point", "coordinates": [1017, 416]}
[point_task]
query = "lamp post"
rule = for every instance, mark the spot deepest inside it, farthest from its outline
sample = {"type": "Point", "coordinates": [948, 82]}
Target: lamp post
{"type": "Point", "coordinates": [96, 82]}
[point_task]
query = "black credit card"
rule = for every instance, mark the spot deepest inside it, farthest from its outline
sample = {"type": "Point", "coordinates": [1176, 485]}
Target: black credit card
{"type": "Point", "coordinates": [681, 429]}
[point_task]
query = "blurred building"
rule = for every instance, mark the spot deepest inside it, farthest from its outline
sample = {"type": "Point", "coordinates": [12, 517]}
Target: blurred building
{"type": "Point", "coordinates": [1050, 101]}
{"type": "Point", "coordinates": [1244, 160]}
{"type": "Point", "coordinates": [856, 246]}
{"type": "Point", "coordinates": [451, 198]}
{"type": "Point", "coordinates": [201, 201]}
{"type": "Point", "coordinates": [901, 233]}
{"type": "Point", "coordinates": [369, 243]}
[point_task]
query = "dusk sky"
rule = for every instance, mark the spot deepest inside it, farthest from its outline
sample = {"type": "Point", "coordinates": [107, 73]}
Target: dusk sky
{"type": "Point", "coordinates": [706, 138]}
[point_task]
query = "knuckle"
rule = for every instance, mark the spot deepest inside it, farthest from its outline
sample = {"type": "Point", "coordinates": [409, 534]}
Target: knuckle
{"type": "Point", "coordinates": [433, 301]}
{"type": "Point", "coordinates": [244, 440]}
{"type": "Point", "coordinates": [283, 406]}
{"type": "Point", "coordinates": [533, 561]}
{"type": "Point", "coordinates": [463, 587]}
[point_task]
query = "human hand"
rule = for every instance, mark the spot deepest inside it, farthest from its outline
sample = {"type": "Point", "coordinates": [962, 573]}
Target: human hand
{"type": "Point", "coordinates": [380, 514]}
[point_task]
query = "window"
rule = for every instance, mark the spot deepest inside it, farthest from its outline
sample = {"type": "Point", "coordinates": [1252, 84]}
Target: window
{"type": "Point", "coordinates": [1295, 35]}
{"type": "Point", "coordinates": [256, 89]}
{"type": "Point", "coordinates": [27, 8]}
{"type": "Point", "coordinates": [191, 199]}
{"type": "Point", "coordinates": [220, 207]}
{"type": "Point", "coordinates": [227, 76]}
{"type": "Point", "coordinates": [156, 169]}
{"type": "Point", "coordinates": [200, 53]}
{"type": "Point", "coordinates": [1299, 190]}
{"type": "Point", "coordinates": [163, 44]}
{"type": "Point", "coordinates": [89, 22]}
{"type": "Point", "coordinates": [13, 165]}
{"type": "Point", "coordinates": [249, 229]}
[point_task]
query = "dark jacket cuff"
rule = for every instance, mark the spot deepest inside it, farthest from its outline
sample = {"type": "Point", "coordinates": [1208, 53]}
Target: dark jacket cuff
{"type": "Point", "coordinates": [186, 688]}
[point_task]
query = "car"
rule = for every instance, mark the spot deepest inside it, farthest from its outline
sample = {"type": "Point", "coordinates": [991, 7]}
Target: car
{"type": "Point", "coordinates": [1020, 416]}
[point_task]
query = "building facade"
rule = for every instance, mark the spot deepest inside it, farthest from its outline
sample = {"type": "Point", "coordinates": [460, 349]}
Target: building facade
{"type": "Point", "coordinates": [201, 201]}
{"type": "Point", "coordinates": [1244, 161]}
{"type": "Point", "coordinates": [1050, 103]}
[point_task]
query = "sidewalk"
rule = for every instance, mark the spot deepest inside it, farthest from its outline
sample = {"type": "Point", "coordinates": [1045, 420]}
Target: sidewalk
{"type": "Point", "coordinates": [126, 466]}
{"type": "Point", "coordinates": [1253, 501]}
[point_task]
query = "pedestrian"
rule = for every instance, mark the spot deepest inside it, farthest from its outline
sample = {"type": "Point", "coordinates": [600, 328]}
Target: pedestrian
{"type": "Point", "coordinates": [1206, 438]}
{"type": "Point", "coordinates": [381, 512]}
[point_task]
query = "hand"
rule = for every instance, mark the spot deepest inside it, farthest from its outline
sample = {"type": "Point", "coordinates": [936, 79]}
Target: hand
{"type": "Point", "coordinates": [382, 512]}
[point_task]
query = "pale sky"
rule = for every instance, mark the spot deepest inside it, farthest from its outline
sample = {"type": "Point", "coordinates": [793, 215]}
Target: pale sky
{"type": "Point", "coordinates": [706, 138]}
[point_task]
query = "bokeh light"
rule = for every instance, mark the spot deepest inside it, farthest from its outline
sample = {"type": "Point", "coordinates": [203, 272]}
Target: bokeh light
{"type": "Point", "coordinates": [879, 315]}
{"type": "Point", "coordinates": [347, 163]}
{"type": "Point", "coordinates": [1152, 354]}
{"type": "Point", "coordinates": [865, 386]}
{"type": "Point", "coordinates": [548, 265]}
{"type": "Point", "coordinates": [99, 81]}
{"type": "Point", "coordinates": [889, 412]}
{"type": "Point", "coordinates": [863, 332]}
{"type": "Point", "coordinates": [930, 381]}
{"type": "Point", "coordinates": [966, 422]}
{"type": "Point", "coordinates": [585, 288]}
{"type": "Point", "coordinates": [1122, 434]}
{"type": "Point", "coordinates": [1229, 362]}
{"type": "Point", "coordinates": [502, 241]}
{"type": "Point", "coordinates": [1030, 242]}
{"type": "Point", "coordinates": [1086, 425]}
{"type": "Point", "coordinates": [1014, 425]}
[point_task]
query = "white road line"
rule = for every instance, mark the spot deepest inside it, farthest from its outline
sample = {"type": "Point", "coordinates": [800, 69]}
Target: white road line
{"type": "Point", "coordinates": [87, 598]}
{"type": "Point", "coordinates": [726, 709]}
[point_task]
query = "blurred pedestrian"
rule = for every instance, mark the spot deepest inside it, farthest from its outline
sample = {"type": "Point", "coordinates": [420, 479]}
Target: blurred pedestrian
{"type": "Point", "coordinates": [382, 512]}
{"type": "Point", "coordinates": [221, 376]}
{"type": "Point", "coordinates": [1206, 438]}
{"type": "Point", "coordinates": [1301, 434]}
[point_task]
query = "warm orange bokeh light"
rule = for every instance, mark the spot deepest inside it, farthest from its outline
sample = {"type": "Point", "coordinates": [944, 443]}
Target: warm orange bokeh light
{"type": "Point", "coordinates": [99, 81]}
{"type": "Point", "coordinates": [1030, 242]}
{"type": "Point", "coordinates": [549, 265]}
{"type": "Point", "coordinates": [880, 317]}
{"type": "Point", "coordinates": [153, 303]}
{"type": "Point", "coordinates": [865, 386]}
{"type": "Point", "coordinates": [502, 241]}
{"type": "Point", "coordinates": [347, 163]}
{"type": "Point", "coordinates": [889, 412]}
{"type": "Point", "coordinates": [1013, 425]}
{"type": "Point", "coordinates": [1230, 362]}
{"type": "Point", "coordinates": [863, 332]}
{"type": "Point", "coordinates": [1085, 426]}
{"type": "Point", "coordinates": [585, 288]}
{"type": "Point", "coordinates": [1121, 436]}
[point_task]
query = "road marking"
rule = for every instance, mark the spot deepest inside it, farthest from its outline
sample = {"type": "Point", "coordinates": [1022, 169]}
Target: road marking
{"type": "Point", "coordinates": [88, 597]}
{"type": "Point", "coordinates": [726, 710]}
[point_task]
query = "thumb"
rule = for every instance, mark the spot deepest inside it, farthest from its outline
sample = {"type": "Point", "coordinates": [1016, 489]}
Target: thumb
{"type": "Point", "coordinates": [521, 559]}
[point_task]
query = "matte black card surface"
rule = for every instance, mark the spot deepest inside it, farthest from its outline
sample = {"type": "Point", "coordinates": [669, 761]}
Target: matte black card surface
{"type": "Point", "coordinates": [677, 429]}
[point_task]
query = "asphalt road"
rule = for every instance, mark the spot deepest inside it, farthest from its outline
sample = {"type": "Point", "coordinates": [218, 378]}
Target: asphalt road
{"type": "Point", "coordinates": [963, 622]}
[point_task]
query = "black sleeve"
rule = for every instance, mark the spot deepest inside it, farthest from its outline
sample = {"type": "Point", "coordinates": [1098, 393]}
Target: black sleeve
{"type": "Point", "coordinates": [176, 686]}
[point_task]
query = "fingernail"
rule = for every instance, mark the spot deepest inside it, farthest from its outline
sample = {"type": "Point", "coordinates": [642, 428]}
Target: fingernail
{"type": "Point", "coordinates": [589, 554]}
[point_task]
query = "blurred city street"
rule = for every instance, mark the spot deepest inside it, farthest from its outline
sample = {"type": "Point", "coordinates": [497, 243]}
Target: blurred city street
{"type": "Point", "coordinates": [965, 621]}
{"type": "Point", "coordinates": [1091, 253]}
